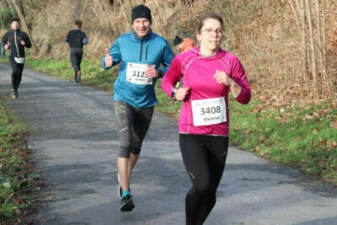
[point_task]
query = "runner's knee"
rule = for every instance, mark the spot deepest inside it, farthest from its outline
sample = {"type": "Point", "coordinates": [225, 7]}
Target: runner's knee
{"type": "Point", "coordinates": [125, 146]}
{"type": "Point", "coordinates": [135, 151]}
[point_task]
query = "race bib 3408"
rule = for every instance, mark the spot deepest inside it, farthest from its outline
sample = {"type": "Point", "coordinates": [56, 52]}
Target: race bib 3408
{"type": "Point", "coordinates": [209, 111]}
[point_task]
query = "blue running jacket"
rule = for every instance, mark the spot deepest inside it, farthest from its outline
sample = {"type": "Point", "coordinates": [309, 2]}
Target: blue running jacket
{"type": "Point", "coordinates": [128, 48]}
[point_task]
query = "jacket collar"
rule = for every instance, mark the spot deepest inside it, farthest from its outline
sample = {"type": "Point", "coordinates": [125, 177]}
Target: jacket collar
{"type": "Point", "coordinates": [219, 54]}
{"type": "Point", "coordinates": [134, 34]}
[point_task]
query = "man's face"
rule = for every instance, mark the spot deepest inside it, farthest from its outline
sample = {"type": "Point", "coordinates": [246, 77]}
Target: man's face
{"type": "Point", "coordinates": [15, 25]}
{"type": "Point", "coordinates": [141, 26]}
{"type": "Point", "coordinates": [178, 47]}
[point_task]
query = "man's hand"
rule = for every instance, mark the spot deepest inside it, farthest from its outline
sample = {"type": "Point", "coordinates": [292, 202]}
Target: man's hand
{"type": "Point", "coordinates": [108, 58]}
{"type": "Point", "coordinates": [6, 46]}
{"type": "Point", "coordinates": [151, 72]}
{"type": "Point", "coordinates": [23, 43]}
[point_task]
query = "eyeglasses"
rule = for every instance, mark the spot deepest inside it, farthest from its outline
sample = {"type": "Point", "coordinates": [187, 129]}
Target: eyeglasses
{"type": "Point", "coordinates": [209, 31]}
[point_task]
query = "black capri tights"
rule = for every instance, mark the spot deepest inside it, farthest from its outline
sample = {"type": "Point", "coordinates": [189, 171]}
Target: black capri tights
{"type": "Point", "coordinates": [133, 124]}
{"type": "Point", "coordinates": [16, 72]}
{"type": "Point", "coordinates": [204, 158]}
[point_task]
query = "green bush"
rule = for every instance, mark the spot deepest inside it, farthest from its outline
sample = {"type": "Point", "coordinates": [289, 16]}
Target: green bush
{"type": "Point", "coordinates": [5, 17]}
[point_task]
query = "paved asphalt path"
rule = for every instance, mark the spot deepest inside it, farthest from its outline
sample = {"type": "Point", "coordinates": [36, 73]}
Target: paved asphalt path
{"type": "Point", "coordinates": [75, 144]}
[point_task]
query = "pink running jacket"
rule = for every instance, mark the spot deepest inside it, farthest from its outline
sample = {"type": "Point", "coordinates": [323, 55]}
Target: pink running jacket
{"type": "Point", "coordinates": [197, 72]}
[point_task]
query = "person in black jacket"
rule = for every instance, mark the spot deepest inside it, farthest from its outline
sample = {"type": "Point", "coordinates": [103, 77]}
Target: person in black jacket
{"type": "Point", "coordinates": [15, 41]}
{"type": "Point", "coordinates": [76, 39]}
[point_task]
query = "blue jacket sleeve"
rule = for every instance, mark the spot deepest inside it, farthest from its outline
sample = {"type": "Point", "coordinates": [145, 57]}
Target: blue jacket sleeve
{"type": "Point", "coordinates": [66, 39]}
{"type": "Point", "coordinates": [167, 58]}
{"type": "Point", "coordinates": [115, 53]}
{"type": "Point", "coordinates": [85, 39]}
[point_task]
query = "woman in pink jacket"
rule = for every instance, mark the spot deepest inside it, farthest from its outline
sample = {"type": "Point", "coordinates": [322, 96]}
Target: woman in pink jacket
{"type": "Point", "coordinates": [209, 73]}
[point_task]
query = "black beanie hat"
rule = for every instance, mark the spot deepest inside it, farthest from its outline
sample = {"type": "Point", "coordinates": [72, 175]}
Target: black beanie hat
{"type": "Point", "coordinates": [177, 40]}
{"type": "Point", "coordinates": [141, 11]}
{"type": "Point", "coordinates": [15, 20]}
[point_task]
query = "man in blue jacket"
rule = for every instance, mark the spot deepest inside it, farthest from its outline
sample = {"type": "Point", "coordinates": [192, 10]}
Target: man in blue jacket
{"type": "Point", "coordinates": [140, 54]}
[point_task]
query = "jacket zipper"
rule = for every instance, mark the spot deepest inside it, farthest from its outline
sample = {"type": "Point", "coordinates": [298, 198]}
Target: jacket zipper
{"type": "Point", "coordinates": [16, 45]}
{"type": "Point", "coordinates": [141, 50]}
{"type": "Point", "coordinates": [146, 50]}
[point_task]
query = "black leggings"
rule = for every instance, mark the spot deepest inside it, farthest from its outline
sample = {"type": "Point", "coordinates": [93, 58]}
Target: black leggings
{"type": "Point", "coordinates": [204, 158]}
{"type": "Point", "coordinates": [16, 73]}
{"type": "Point", "coordinates": [76, 59]}
{"type": "Point", "coordinates": [133, 124]}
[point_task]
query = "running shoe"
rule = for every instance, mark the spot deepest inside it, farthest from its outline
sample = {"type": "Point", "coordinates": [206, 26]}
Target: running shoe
{"type": "Point", "coordinates": [14, 94]}
{"type": "Point", "coordinates": [120, 190]}
{"type": "Point", "coordinates": [78, 77]}
{"type": "Point", "coordinates": [127, 203]}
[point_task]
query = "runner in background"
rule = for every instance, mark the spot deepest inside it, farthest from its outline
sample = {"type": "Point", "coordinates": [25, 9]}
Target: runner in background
{"type": "Point", "coordinates": [76, 39]}
{"type": "Point", "coordinates": [16, 41]}
{"type": "Point", "coordinates": [209, 74]}
{"type": "Point", "coordinates": [183, 45]}
{"type": "Point", "coordinates": [139, 54]}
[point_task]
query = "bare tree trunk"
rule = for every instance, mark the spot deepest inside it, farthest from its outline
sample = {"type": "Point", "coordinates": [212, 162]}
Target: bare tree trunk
{"type": "Point", "coordinates": [312, 46]}
{"type": "Point", "coordinates": [84, 9]}
{"type": "Point", "coordinates": [320, 41]}
{"type": "Point", "coordinates": [77, 10]}
{"type": "Point", "coordinates": [295, 13]}
{"type": "Point", "coordinates": [125, 14]}
{"type": "Point", "coordinates": [323, 30]}
{"type": "Point", "coordinates": [130, 3]}
{"type": "Point", "coordinates": [19, 9]}
{"type": "Point", "coordinates": [325, 71]}
{"type": "Point", "coordinates": [302, 24]}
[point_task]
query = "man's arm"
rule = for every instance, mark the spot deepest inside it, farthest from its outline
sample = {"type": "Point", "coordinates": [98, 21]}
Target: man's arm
{"type": "Point", "coordinates": [115, 53]}
{"type": "Point", "coordinates": [66, 39]}
{"type": "Point", "coordinates": [166, 61]}
{"type": "Point", "coordinates": [85, 39]}
{"type": "Point", "coordinates": [28, 43]}
{"type": "Point", "coordinates": [4, 39]}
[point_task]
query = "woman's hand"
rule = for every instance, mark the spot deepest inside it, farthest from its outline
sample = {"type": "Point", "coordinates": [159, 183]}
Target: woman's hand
{"type": "Point", "coordinates": [222, 78]}
{"type": "Point", "coordinates": [181, 93]}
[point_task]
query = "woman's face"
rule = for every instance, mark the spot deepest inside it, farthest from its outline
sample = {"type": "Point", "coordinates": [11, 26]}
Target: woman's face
{"type": "Point", "coordinates": [210, 35]}
{"type": "Point", "coordinates": [141, 26]}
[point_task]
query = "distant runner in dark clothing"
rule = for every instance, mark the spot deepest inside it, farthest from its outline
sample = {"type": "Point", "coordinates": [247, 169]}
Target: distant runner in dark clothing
{"type": "Point", "coordinates": [15, 41]}
{"type": "Point", "coordinates": [76, 39]}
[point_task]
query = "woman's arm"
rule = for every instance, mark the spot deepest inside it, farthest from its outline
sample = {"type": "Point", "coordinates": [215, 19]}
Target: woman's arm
{"type": "Point", "coordinates": [171, 77]}
{"type": "Point", "coordinates": [240, 87]}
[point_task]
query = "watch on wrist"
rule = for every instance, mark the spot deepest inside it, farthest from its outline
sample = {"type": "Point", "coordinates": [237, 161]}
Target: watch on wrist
{"type": "Point", "coordinates": [173, 93]}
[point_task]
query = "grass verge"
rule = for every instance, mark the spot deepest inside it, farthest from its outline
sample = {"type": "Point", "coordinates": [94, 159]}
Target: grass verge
{"type": "Point", "coordinates": [302, 137]}
{"type": "Point", "coordinates": [18, 184]}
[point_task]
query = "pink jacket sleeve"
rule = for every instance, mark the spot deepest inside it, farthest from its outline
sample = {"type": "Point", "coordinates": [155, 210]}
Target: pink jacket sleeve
{"type": "Point", "coordinates": [172, 76]}
{"type": "Point", "coordinates": [239, 76]}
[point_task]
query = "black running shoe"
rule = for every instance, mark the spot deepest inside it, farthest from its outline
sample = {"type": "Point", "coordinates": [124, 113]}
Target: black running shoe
{"type": "Point", "coordinates": [127, 204]}
{"type": "Point", "coordinates": [120, 190]}
{"type": "Point", "coordinates": [78, 77]}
